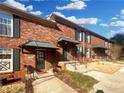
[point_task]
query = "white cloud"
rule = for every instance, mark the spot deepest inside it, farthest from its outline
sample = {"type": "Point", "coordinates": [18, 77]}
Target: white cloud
{"type": "Point", "coordinates": [79, 0]}
{"type": "Point", "coordinates": [122, 13]}
{"type": "Point", "coordinates": [17, 5]}
{"type": "Point", "coordinates": [36, 12]}
{"type": "Point", "coordinates": [114, 24]}
{"type": "Point", "coordinates": [104, 25]}
{"type": "Point", "coordinates": [77, 5]}
{"type": "Point", "coordinates": [74, 0]}
{"type": "Point", "coordinates": [79, 21]}
{"type": "Point", "coordinates": [59, 14]}
{"type": "Point", "coordinates": [29, 8]}
{"type": "Point", "coordinates": [114, 18]}
{"type": "Point", "coordinates": [22, 6]}
{"type": "Point", "coordinates": [82, 21]}
{"type": "Point", "coordinates": [117, 24]}
{"type": "Point", "coordinates": [113, 32]}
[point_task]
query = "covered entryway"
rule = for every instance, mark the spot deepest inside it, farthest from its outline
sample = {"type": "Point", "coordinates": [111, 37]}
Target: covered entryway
{"type": "Point", "coordinates": [38, 54]}
{"type": "Point", "coordinates": [69, 48]}
{"type": "Point", "coordinates": [99, 51]}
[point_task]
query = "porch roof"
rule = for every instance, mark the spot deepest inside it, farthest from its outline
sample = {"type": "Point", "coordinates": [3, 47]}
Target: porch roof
{"type": "Point", "coordinates": [64, 39]}
{"type": "Point", "coordinates": [98, 46]}
{"type": "Point", "coordinates": [33, 43]}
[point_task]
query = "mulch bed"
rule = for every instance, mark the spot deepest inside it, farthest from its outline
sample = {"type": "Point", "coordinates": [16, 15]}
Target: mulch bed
{"type": "Point", "coordinates": [22, 86]}
{"type": "Point", "coordinates": [13, 86]}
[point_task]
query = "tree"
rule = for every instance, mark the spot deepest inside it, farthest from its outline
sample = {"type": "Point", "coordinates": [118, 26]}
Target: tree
{"type": "Point", "coordinates": [118, 39]}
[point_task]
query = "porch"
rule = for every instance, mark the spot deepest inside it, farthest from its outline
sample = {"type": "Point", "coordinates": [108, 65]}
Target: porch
{"type": "Point", "coordinates": [38, 56]}
{"type": "Point", "coordinates": [100, 52]}
{"type": "Point", "coordinates": [68, 46]}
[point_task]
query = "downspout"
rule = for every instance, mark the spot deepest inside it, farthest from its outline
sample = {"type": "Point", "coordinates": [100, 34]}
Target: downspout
{"type": "Point", "coordinates": [83, 45]}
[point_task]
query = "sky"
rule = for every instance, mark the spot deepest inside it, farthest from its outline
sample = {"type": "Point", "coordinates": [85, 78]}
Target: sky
{"type": "Point", "coordinates": [104, 17]}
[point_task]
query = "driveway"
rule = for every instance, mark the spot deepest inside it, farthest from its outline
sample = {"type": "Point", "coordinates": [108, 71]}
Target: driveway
{"type": "Point", "coordinates": [50, 84]}
{"type": "Point", "coordinates": [108, 83]}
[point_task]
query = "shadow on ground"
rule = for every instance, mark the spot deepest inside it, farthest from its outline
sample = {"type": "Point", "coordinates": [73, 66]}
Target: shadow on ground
{"type": "Point", "coordinates": [29, 86]}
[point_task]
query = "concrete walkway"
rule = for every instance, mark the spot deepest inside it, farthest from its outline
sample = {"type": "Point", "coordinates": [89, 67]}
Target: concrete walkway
{"type": "Point", "coordinates": [109, 83]}
{"type": "Point", "coordinates": [50, 84]}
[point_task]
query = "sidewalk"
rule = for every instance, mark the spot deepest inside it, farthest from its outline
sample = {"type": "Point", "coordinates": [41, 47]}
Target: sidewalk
{"type": "Point", "coordinates": [51, 84]}
{"type": "Point", "coordinates": [108, 83]}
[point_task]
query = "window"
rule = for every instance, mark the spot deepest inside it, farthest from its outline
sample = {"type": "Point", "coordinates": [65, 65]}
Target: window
{"type": "Point", "coordinates": [88, 52]}
{"type": "Point", "coordinates": [87, 37]}
{"type": "Point", "coordinates": [83, 36]}
{"type": "Point", "coordinates": [78, 35]}
{"type": "Point", "coordinates": [106, 44]}
{"type": "Point", "coordinates": [6, 59]}
{"type": "Point", "coordinates": [6, 24]}
{"type": "Point", "coordinates": [79, 51]}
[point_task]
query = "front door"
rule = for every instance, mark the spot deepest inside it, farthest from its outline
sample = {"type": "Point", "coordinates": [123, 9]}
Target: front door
{"type": "Point", "coordinates": [65, 53]}
{"type": "Point", "coordinates": [40, 59]}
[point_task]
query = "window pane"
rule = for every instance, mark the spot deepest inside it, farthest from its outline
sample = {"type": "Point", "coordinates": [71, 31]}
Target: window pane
{"type": "Point", "coordinates": [5, 56]}
{"type": "Point", "coordinates": [87, 37]}
{"type": "Point", "coordinates": [78, 35]}
{"type": "Point", "coordinates": [0, 20]}
{"type": "Point", "coordinates": [5, 21]}
{"type": "Point", "coordinates": [5, 24]}
{"type": "Point", "coordinates": [8, 29]}
{"type": "Point", "coordinates": [5, 50]}
{"type": "Point", "coordinates": [0, 28]}
{"type": "Point", "coordinates": [5, 53]}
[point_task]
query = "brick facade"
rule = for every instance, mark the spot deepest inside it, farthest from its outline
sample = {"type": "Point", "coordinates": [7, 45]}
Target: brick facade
{"type": "Point", "coordinates": [30, 30]}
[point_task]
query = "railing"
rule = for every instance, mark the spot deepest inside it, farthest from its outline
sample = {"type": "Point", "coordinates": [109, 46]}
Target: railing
{"type": "Point", "coordinates": [69, 64]}
{"type": "Point", "coordinates": [4, 65]}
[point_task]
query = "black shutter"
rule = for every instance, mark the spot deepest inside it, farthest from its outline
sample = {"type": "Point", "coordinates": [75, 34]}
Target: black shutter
{"type": "Point", "coordinates": [16, 59]}
{"type": "Point", "coordinates": [16, 26]}
{"type": "Point", "coordinates": [82, 36]}
{"type": "Point", "coordinates": [76, 35]}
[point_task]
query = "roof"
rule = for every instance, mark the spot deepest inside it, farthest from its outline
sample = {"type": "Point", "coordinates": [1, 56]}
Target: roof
{"type": "Point", "coordinates": [46, 22]}
{"type": "Point", "coordinates": [61, 39]}
{"type": "Point", "coordinates": [75, 26]}
{"type": "Point", "coordinates": [97, 46]}
{"type": "Point", "coordinates": [26, 15]}
{"type": "Point", "coordinates": [41, 44]}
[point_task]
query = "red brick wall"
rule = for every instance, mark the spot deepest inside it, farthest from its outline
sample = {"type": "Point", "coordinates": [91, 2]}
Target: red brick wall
{"type": "Point", "coordinates": [33, 31]}
{"type": "Point", "coordinates": [97, 41]}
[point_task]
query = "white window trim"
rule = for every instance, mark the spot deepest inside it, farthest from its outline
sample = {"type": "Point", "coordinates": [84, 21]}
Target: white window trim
{"type": "Point", "coordinates": [88, 53]}
{"type": "Point", "coordinates": [83, 36]}
{"type": "Point", "coordinates": [106, 44]}
{"type": "Point", "coordinates": [11, 24]}
{"type": "Point", "coordinates": [80, 38]}
{"type": "Point", "coordinates": [88, 37]}
{"type": "Point", "coordinates": [11, 64]}
{"type": "Point", "coordinates": [79, 35]}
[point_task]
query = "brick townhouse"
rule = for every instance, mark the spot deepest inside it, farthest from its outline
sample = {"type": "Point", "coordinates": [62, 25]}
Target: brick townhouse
{"type": "Point", "coordinates": [26, 39]}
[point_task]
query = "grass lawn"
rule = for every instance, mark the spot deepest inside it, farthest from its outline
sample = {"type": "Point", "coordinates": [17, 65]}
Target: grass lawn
{"type": "Point", "coordinates": [107, 67]}
{"type": "Point", "coordinates": [81, 83]}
